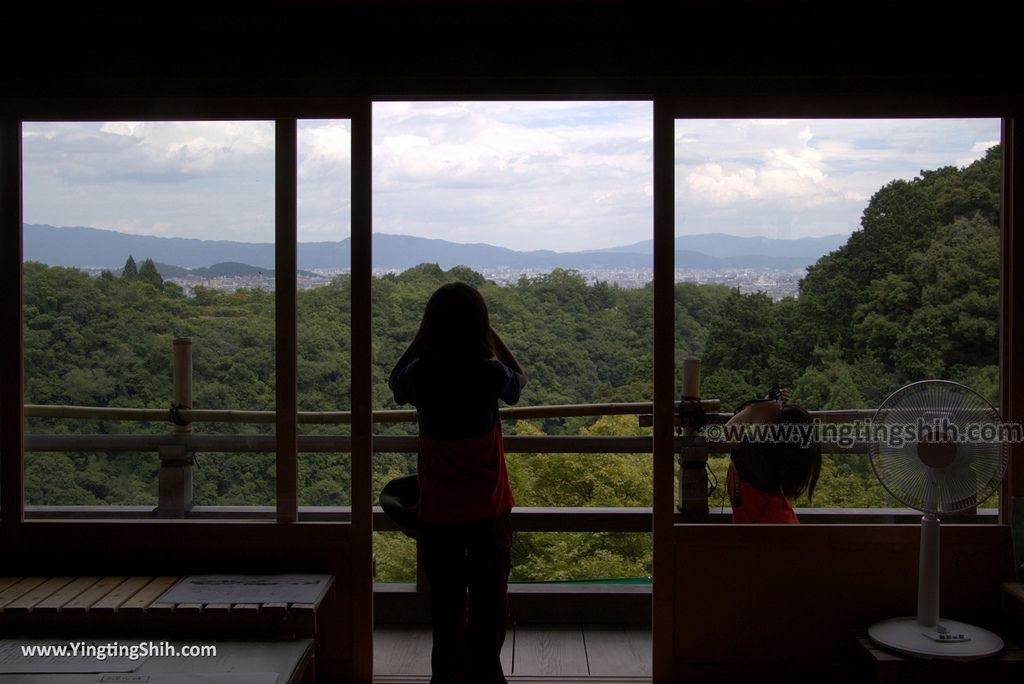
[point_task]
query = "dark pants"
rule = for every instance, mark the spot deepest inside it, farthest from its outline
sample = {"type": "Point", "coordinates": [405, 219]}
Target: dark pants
{"type": "Point", "coordinates": [476, 556]}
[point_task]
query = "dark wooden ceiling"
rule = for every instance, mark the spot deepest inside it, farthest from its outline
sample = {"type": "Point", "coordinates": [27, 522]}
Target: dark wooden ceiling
{"type": "Point", "coordinates": [408, 49]}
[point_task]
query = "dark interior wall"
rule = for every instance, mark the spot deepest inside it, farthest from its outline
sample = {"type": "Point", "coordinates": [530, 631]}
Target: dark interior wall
{"type": "Point", "coordinates": [430, 49]}
{"type": "Point", "coordinates": [167, 547]}
{"type": "Point", "coordinates": [788, 598]}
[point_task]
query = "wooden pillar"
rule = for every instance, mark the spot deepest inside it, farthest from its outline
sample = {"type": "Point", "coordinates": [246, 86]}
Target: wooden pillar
{"type": "Point", "coordinates": [12, 371]}
{"type": "Point", "coordinates": [286, 384]}
{"type": "Point", "coordinates": [362, 395]}
{"type": "Point", "coordinates": [663, 603]}
{"type": "Point", "coordinates": [1011, 400]}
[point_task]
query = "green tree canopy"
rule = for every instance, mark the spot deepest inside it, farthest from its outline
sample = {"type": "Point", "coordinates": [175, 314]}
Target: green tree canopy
{"type": "Point", "coordinates": [149, 274]}
{"type": "Point", "coordinates": [130, 270]}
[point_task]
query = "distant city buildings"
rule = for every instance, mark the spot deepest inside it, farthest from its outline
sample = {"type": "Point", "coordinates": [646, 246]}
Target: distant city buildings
{"type": "Point", "coordinates": [776, 284]}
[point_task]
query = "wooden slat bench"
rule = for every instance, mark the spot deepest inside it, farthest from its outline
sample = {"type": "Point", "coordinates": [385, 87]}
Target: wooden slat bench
{"type": "Point", "coordinates": [115, 605]}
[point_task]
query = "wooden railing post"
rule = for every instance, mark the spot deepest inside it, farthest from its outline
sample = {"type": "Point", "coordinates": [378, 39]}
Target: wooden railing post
{"type": "Point", "coordinates": [183, 379]}
{"type": "Point", "coordinates": [174, 499]}
{"type": "Point", "coordinates": [175, 490]}
{"type": "Point", "coordinates": [693, 474]}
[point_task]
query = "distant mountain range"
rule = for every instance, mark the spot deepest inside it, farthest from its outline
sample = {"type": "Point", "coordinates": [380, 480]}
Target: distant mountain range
{"type": "Point", "coordinates": [96, 248]}
{"type": "Point", "coordinates": [721, 245]}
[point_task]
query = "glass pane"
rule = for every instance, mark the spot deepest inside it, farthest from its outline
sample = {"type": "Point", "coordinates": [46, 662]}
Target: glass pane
{"type": "Point", "coordinates": [842, 259]}
{"type": "Point", "coordinates": [546, 209]}
{"type": "Point", "coordinates": [138, 234]}
{"type": "Point", "coordinates": [324, 377]}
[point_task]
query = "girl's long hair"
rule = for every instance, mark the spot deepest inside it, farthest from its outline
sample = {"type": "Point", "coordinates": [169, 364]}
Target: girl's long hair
{"type": "Point", "coordinates": [455, 326]}
{"type": "Point", "coordinates": [797, 467]}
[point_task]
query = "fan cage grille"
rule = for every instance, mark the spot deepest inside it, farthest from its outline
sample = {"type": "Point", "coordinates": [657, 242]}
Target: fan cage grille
{"type": "Point", "coordinates": [928, 411]}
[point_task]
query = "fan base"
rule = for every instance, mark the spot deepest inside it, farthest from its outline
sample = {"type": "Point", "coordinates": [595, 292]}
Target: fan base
{"type": "Point", "coordinates": [952, 640]}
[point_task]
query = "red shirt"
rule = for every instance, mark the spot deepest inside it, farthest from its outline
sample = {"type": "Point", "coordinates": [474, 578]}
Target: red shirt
{"type": "Point", "coordinates": [756, 504]}
{"type": "Point", "coordinates": [463, 479]}
{"type": "Point", "coordinates": [461, 468]}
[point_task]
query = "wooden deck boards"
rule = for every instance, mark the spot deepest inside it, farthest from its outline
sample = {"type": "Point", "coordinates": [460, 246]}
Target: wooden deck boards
{"type": "Point", "coordinates": [618, 652]}
{"type": "Point", "coordinates": [401, 651]}
{"type": "Point", "coordinates": [551, 651]}
{"type": "Point", "coordinates": [531, 654]}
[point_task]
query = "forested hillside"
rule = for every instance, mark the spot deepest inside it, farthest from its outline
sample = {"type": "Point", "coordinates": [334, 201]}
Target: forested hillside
{"type": "Point", "coordinates": [912, 295]}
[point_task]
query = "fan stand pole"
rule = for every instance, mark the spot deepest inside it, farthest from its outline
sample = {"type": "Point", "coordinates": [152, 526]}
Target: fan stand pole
{"type": "Point", "coordinates": [928, 573]}
{"type": "Point", "coordinates": [926, 636]}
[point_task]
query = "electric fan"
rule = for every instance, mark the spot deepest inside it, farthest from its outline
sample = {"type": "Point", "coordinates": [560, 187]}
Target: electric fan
{"type": "Point", "coordinates": [927, 451]}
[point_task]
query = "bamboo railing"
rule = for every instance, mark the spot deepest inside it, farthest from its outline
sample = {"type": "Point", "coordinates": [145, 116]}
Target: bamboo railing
{"type": "Point", "coordinates": [641, 409]}
{"type": "Point", "coordinates": [178, 446]}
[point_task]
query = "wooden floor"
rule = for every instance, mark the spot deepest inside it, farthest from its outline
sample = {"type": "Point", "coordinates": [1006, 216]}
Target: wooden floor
{"type": "Point", "coordinates": [531, 654]}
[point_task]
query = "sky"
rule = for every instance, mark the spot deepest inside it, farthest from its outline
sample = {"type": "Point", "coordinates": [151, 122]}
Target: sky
{"type": "Point", "coordinates": [565, 176]}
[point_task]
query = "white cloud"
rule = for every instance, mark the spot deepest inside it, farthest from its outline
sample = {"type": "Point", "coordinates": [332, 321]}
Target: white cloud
{"type": "Point", "coordinates": [978, 150]}
{"type": "Point", "coordinates": [719, 187]}
{"type": "Point", "coordinates": [787, 178]}
{"type": "Point", "coordinates": [196, 147]}
{"type": "Point", "coordinates": [556, 175]}
{"type": "Point", "coordinates": [324, 166]}
{"type": "Point", "coordinates": [212, 180]}
{"type": "Point", "coordinates": [522, 175]}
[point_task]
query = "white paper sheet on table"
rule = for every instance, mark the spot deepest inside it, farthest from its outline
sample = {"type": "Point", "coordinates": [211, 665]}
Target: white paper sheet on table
{"type": "Point", "coordinates": [248, 589]}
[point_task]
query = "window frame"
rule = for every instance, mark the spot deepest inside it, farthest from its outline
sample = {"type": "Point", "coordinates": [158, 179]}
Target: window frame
{"type": "Point", "coordinates": [285, 112]}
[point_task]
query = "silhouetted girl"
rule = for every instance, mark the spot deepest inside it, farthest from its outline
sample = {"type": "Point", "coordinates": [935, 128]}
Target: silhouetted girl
{"type": "Point", "coordinates": [454, 372]}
